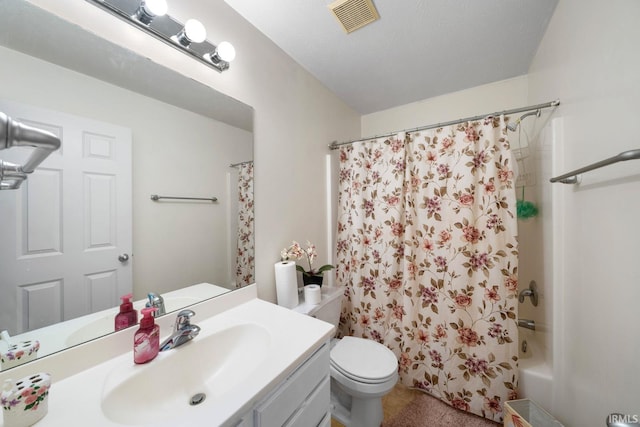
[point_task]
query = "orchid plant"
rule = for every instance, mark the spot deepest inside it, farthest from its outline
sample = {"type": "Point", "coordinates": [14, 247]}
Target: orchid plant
{"type": "Point", "coordinates": [295, 251]}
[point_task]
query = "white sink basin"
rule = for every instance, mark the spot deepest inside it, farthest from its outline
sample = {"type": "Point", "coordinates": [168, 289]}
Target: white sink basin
{"type": "Point", "coordinates": [162, 389]}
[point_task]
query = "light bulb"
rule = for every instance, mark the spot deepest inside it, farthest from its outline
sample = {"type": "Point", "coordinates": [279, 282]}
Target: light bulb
{"type": "Point", "coordinates": [155, 7]}
{"type": "Point", "coordinates": [149, 9]}
{"type": "Point", "coordinates": [226, 51]}
{"type": "Point", "coordinates": [195, 31]}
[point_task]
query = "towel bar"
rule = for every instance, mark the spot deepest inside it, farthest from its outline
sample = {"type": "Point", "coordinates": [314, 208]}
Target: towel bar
{"type": "Point", "coordinates": [155, 198]}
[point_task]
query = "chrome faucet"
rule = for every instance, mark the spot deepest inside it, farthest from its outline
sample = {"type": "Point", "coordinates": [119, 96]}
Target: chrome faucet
{"type": "Point", "coordinates": [183, 331]}
{"type": "Point", "coordinates": [156, 301]}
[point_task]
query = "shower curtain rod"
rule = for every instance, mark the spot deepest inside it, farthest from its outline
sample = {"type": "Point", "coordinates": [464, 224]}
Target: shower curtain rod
{"type": "Point", "coordinates": [334, 145]}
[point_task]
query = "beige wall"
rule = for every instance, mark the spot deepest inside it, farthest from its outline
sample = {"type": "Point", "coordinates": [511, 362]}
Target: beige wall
{"type": "Point", "coordinates": [589, 58]}
{"type": "Point", "coordinates": [295, 118]}
{"type": "Point", "coordinates": [489, 98]}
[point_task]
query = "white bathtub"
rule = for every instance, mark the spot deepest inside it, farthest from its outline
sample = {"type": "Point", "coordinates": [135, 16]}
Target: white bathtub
{"type": "Point", "coordinates": [535, 373]}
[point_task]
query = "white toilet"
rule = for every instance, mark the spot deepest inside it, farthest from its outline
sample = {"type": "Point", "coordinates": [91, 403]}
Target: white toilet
{"type": "Point", "coordinates": [362, 370]}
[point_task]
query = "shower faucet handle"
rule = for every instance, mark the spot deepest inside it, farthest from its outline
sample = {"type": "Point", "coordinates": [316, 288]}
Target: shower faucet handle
{"type": "Point", "coordinates": [531, 292]}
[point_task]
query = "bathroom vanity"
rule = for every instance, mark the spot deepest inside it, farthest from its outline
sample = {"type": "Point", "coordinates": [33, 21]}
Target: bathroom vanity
{"type": "Point", "coordinates": [300, 400]}
{"type": "Point", "coordinates": [253, 364]}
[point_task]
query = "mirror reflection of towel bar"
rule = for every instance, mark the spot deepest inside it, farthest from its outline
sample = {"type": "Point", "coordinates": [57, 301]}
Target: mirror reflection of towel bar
{"type": "Point", "coordinates": [155, 198]}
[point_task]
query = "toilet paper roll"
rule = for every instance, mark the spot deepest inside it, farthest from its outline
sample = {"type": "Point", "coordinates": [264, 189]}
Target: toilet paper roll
{"type": "Point", "coordinates": [312, 294]}
{"type": "Point", "coordinates": [286, 283]}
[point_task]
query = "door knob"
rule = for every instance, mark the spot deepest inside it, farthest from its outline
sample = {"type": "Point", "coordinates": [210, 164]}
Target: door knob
{"type": "Point", "coordinates": [123, 257]}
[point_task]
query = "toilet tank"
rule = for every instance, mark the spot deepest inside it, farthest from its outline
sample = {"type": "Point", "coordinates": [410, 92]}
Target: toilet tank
{"type": "Point", "coordinates": [329, 307]}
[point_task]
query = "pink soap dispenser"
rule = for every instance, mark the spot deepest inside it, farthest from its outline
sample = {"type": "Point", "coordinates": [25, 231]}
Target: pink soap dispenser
{"type": "Point", "coordinates": [127, 316]}
{"type": "Point", "coordinates": [146, 341]}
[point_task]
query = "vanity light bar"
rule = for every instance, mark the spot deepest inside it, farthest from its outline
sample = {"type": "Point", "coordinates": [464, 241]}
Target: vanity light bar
{"type": "Point", "coordinates": [170, 31]}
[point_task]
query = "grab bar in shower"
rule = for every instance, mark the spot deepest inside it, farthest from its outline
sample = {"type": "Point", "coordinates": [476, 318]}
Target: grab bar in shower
{"type": "Point", "coordinates": [155, 198]}
{"type": "Point", "coordinates": [571, 177]}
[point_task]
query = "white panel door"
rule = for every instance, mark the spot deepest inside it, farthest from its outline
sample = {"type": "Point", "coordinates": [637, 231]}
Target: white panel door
{"type": "Point", "coordinates": [63, 231]}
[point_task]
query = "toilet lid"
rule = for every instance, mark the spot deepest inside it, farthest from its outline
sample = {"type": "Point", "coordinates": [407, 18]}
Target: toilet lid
{"type": "Point", "coordinates": [363, 360]}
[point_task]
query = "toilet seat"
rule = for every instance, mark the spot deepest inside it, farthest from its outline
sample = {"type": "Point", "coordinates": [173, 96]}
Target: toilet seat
{"type": "Point", "coordinates": [364, 360]}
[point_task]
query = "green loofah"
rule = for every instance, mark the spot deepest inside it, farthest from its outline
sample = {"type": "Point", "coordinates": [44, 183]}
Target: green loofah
{"type": "Point", "coordinates": [526, 209]}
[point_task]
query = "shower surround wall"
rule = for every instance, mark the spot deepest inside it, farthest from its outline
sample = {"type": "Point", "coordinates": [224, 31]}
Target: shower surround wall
{"type": "Point", "coordinates": [536, 365]}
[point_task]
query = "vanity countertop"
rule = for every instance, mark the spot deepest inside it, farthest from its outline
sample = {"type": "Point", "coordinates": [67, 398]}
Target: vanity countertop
{"type": "Point", "coordinates": [291, 339]}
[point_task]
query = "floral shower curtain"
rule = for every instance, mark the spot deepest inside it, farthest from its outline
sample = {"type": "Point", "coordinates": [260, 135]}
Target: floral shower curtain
{"type": "Point", "coordinates": [245, 258]}
{"type": "Point", "coordinates": [428, 253]}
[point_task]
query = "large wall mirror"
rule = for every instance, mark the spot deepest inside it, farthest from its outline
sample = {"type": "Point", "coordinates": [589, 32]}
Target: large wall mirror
{"type": "Point", "coordinates": [169, 135]}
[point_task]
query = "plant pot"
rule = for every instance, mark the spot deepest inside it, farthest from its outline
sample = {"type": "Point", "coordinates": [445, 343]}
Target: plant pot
{"type": "Point", "coordinates": [312, 280]}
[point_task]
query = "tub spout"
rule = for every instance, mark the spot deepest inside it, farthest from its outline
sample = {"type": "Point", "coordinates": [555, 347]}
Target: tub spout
{"type": "Point", "coordinates": [526, 323]}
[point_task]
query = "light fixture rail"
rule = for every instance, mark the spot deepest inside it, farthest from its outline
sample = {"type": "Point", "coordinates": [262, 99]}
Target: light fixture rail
{"type": "Point", "coordinates": [188, 38]}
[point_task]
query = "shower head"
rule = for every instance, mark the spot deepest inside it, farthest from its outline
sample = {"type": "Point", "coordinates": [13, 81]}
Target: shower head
{"type": "Point", "coordinates": [513, 126]}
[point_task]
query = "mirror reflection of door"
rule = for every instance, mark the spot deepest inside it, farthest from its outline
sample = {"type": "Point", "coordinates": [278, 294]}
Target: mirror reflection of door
{"type": "Point", "coordinates": [55, 269]}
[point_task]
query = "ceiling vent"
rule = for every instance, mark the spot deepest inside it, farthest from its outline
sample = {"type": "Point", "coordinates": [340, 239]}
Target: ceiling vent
{"type": "Point", "coordinates": [354, 14]}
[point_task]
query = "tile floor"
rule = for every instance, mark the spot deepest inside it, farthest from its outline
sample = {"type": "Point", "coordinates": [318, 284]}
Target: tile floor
{"type": "Point", "coordinates": [393, 402]}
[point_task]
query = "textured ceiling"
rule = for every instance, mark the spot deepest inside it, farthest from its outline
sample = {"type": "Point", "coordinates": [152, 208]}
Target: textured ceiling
{"type": "Point", "coordinates": [418, 49]}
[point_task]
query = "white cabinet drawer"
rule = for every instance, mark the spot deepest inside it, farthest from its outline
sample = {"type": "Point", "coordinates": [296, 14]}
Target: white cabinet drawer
{"type": "Point", "coordinates": [286, 399]}
{"type": "Point", "coordinates": [314, 408]}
